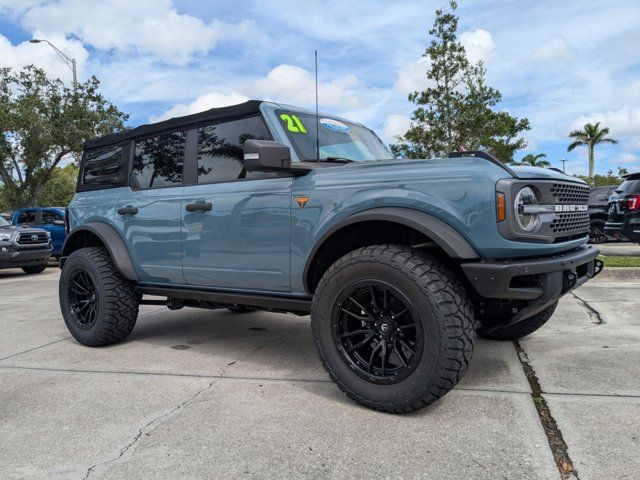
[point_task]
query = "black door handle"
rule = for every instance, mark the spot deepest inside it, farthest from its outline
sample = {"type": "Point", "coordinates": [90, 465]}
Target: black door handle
{"type": "Point", "coordinates": [128, 210]}
{"type": "Point", "coordinates": [199, 207]}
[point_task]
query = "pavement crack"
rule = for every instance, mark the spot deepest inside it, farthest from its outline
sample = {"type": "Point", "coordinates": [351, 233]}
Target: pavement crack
{"type": "Point", "coordinates": [556, 442]}
{"type": "Point", "coordinates": [253, 352]}
{"type": "Point", "coordinates": [594, 315]}
{"type": "Point", "coordinates": [146, 427]}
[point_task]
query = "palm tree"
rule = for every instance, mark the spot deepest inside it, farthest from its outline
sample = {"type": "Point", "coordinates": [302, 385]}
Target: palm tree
{"type": "Point", "coordinates": [590, 136]}
{"type": "Point", "coordinates": [535, 160]}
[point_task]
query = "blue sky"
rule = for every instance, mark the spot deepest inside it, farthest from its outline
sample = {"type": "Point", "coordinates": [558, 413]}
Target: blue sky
{"type": "Point", "coordinates": [559, 64]}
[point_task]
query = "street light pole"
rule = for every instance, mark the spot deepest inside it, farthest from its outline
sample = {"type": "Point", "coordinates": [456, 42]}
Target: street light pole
{"type": "Point", "coordinates": [564, 160]}
{"type": "Point", "coordinates": [70, 62]}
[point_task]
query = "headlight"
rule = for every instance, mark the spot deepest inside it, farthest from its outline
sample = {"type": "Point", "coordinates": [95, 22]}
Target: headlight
{"type": "Point", "coordinates": [5, 237]}
{"type": "Point", "coordinates": [526, 206]}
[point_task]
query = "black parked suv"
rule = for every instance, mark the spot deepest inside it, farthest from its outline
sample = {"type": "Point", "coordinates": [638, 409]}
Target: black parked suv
{"type": "Point", "coordinates": [599, 213]}
{"type": "Point", "coordinates": [624, 210]}
{"type": "Point", "coordinates": [24, 247]}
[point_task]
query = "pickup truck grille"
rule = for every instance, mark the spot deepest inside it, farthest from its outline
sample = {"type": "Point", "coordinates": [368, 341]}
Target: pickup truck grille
{"type": "Point", "coordinates": [33, 238]}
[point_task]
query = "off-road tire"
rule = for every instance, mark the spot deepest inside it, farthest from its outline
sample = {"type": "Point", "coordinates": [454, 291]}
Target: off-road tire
{"type": "Point", "coordinates": [520, 329]}
{"type": "Point", "coordinates": [241, 309]}
{"type": "Point", "coordinates": [444, 311]}
{"type": "Point", "coordinates": [117, 300]}
{"type": "Point", "coordinates": [35, 269]}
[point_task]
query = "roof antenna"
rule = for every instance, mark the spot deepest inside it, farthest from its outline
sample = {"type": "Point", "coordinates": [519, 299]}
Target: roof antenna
{"type": "Point", "coordinates": [317, 115]}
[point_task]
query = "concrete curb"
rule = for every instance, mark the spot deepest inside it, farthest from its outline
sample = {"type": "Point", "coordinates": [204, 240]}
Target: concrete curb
{"type": "Point", "coordinates": [619, 274]}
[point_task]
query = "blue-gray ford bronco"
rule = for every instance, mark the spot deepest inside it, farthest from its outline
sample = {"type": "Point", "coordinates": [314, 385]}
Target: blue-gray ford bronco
{"type": "Point", "coordinates": [263, 206]}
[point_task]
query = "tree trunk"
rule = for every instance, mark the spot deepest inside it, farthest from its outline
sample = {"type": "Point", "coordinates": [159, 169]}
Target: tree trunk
{"type": "Point", "coordinates": [591, 162]}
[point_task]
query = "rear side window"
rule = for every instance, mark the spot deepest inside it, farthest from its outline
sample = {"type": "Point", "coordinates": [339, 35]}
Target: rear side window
{"type": "Point", "coordinates": [50, 216]}
{"type": "Point", "coordinates": [220, 149]}
{"type": "Point", "coordinates": [629, 186]}
{"type": "Point", "coordinates": [101, 168]}
{"type": "Point", "coordinates": [27, 217]}
{"type": "Point", "coordinates": [159, 160]}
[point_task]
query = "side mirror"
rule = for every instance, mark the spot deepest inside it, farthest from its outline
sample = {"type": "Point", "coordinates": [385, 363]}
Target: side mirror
{"type": "Point", "coordinates": [266, 156]}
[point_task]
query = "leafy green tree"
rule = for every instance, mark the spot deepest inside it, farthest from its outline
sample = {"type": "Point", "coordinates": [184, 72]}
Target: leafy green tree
{"type": "Point", "coordinates": [455, 112]}
{"type": "Point", "coordinates": [607, 179]}
{"type": "Point", "coordinates": [535, 160]}
{"type": "Point", "coordinates": [590, 136]}
{"type": "Point", "coordinates": [43, 122]}
{"type": "Point", "coordinates": [59, 189]}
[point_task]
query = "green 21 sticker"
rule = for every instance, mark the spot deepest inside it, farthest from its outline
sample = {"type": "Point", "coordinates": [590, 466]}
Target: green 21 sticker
{"type": "Point", "coordinates": [293, 123]}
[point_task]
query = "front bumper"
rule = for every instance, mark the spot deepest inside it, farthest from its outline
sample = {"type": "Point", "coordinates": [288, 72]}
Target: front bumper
{"type": "Point", "coordinates": [531, 279]}
{"type": "Point", "coordinates": [12, 257]}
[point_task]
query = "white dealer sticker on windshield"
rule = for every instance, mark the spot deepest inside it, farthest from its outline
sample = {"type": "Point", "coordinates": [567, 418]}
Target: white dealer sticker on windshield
{"type": "Point", "coordinates": [334, 125]}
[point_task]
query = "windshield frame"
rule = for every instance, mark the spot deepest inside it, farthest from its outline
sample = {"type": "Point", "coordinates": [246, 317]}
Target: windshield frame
{"type": "Point", "coordinates": [280, 135]}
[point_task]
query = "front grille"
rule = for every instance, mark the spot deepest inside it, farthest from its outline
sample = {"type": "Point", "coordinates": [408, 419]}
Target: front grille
{"type": "Point", "coordinates": [32, 238]}
{"type": "Point", "coordinates": [570, 193]}
{"type": "Point", "coordinates": [570, 222]}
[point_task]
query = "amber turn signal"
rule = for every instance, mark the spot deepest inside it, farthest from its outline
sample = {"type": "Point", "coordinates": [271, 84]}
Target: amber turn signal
{"type": "Point", "coordinates": [501, 212]}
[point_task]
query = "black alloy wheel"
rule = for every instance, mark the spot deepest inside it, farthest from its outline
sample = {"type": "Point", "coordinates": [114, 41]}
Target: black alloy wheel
{"type": "Point", "coordinates": [83, 299]}
{"type": "Point", "coordinates": [375, 329]}
{"type": "Point", "coordinates": [596, 232]}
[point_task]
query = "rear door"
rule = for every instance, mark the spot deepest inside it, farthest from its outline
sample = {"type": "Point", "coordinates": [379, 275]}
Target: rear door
{"type": "Point", "coordinates": [148, 212]}
{"type": "Point", "coordinates": [235, 223]}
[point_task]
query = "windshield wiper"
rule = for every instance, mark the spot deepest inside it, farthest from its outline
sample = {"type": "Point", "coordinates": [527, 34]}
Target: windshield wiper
{"type": "Point", "coordinates": [333, 160]}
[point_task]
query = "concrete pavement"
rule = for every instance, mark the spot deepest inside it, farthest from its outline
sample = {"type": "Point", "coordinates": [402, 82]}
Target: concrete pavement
{"type": "Point", "coordinates": [197, 393]}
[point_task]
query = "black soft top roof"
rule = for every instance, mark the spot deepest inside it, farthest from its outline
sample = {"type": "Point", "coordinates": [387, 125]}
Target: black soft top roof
{"type": "Point", "coordinates": [252, 107]}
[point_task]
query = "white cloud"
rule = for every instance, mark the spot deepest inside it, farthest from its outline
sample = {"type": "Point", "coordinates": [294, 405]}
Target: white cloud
{"type": "Point", "coordinates": [293, 84]}
{"type": "Point", "coordinates": [145, 26]}
{"type": "Point", "coordinates": [478, 44]}
{"type": "Point", "coordinates": [554, 49]}
{"type": "Point", "coordinates": [43, 56]}
{"type": "Point", "coordinates": [203, 102]}
{"type": "Point", "coordinates": [395, 125]}
{"type": "Point", "coordinates": [626, 157]}
{"type": "Point", "coordinates": [623, 123]}
{"type": "Point", "coordinates": [413, 76]}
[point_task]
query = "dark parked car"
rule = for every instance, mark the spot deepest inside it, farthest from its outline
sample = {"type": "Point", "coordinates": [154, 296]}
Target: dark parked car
{"type": "Point", "coordinates": [24, 247]}
{"type": "Point", "coordinates": [599, 212]}
{"type": "Point", "coordinates": [50, 219]}
{"type": "Point", "coordinates": [624, 210]}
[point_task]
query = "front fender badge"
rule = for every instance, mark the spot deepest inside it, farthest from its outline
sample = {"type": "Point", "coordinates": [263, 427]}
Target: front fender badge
{"type": "Point", "coordinates": [302, 201]}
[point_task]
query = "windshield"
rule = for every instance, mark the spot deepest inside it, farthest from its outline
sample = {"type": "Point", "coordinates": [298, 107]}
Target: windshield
{"type": "Point", "coordinates": [3, 222]}
{"type": "Point", "coordinates": [338, 139]}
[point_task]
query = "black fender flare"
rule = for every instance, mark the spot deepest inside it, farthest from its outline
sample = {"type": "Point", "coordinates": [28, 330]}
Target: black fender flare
{"type": "Point", "coordinates": [111, 240]}
{"type": "Point", "coordinates": [443, 234]}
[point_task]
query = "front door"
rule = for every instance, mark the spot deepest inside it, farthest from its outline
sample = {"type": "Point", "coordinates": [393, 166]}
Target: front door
{"type": "Point", "coordinates": [148, 213]}
{"type": "Point", "coordinates": [236, 232]}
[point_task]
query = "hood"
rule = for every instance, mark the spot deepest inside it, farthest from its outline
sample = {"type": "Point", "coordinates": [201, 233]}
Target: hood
{"type": "Point", "coordinates": [20, 228]}
{"type": "Point", "coordinates": [544, 174]}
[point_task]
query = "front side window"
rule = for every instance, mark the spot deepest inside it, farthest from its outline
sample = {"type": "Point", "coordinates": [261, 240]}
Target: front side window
{"type": "Point", "coordinates": [49, 217]}
{"type": "Point", "coordinates": [158, 160]}
{"type": "Point", "coordinates": [337, 138]}
{"type": "Point", "coordinates": [220, 149]}
{"type": "Point", "coordinates": [27, 217]}
{"type": "Point", "coordinates": [101, 167]}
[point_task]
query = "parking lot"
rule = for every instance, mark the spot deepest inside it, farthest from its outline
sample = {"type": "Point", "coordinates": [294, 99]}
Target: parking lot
{"type": "Point", "coordinates": [212, 394]}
